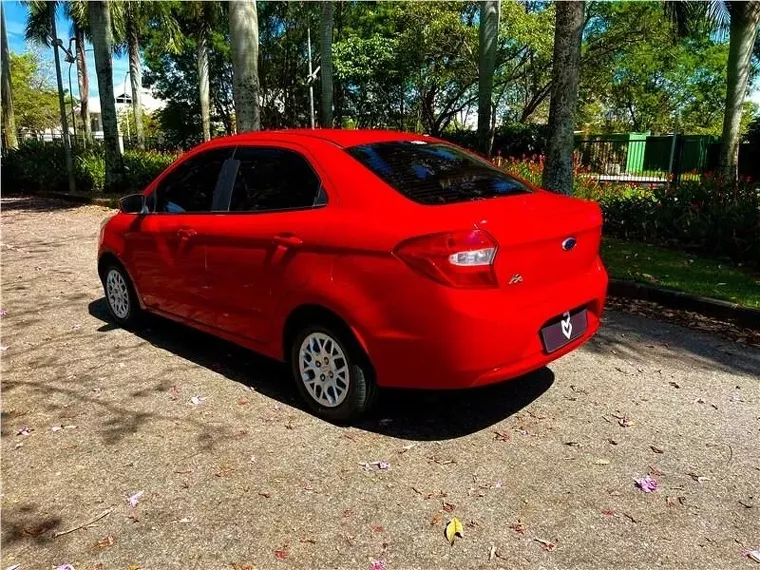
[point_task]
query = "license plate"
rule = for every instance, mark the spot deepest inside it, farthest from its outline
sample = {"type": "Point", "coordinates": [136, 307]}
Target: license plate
{"type": "Point", "coordinates": [564, 329]}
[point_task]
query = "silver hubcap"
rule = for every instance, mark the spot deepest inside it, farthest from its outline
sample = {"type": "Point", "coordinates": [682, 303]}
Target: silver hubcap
{"type": "Point", "coordinates": [324, 369]}
{"type": "Point", "coordinates": [117, 293]}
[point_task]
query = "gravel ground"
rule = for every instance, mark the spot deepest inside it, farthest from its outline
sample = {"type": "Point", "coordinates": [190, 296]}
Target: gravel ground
{"type": "Point", "coordinates": [247, 479]}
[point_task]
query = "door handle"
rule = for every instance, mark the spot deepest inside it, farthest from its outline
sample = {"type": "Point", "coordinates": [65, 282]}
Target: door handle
{"type": "Point", "coordinates": [287, 240]}
{"type": "Point", "coordinates": [186, 233]}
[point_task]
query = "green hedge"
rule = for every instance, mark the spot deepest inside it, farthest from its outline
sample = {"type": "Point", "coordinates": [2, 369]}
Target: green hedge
{"type": "Point", "coordinates": [702, 216]}
{"type": "Point", "coordinates": [36, 165]}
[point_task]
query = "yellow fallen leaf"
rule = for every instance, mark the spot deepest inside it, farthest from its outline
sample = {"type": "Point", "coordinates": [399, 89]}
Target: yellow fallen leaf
{"type": "Point", "coordinates": [453, 529]}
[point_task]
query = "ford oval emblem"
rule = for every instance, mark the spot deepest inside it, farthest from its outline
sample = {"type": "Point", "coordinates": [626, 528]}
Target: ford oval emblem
{"type": "Point", "coordinates": [569, 243]}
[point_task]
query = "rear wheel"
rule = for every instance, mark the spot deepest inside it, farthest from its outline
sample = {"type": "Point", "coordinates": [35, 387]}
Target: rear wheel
{"type": "Point", "coordinates": [120, 296]}
{"type": "Point", "coordinates": [332, 373]}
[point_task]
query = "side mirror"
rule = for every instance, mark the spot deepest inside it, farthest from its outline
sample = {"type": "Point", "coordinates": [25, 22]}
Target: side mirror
{"type": "Point", "coordinates": [133, 204]}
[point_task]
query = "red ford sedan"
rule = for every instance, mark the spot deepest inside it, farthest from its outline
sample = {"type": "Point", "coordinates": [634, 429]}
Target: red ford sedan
{"type": "Point", "coordinates": [364, 259]}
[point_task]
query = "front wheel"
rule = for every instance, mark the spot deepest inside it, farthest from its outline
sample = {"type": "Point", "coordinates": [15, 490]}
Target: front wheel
{"type": "Point", "coordinates": [332, 373]}
{"type": "Point", "coordinates": [120, 296]}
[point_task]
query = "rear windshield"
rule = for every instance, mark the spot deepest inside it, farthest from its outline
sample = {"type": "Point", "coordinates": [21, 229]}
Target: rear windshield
{"type": "Point", "coordinates": [434, 173]}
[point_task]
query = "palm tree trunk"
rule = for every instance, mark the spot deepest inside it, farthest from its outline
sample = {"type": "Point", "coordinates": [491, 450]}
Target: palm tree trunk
{"type": "Point", "coordinates": [62, 105]}
{"type": "Point", "coordinates": [9, 119]}
{"type": "Point", "coordinates": [744, 21]}
{"type": "Point", "coordinates": [135, 78]}
{"type": "Point", "coordinates": [328, 12]}
{"type": "Point", "coordinates": [558, 169]}
{"type": "Point", "coordinates": [102, 43]}
{"type": "Point", "coordinates": [489, 36]}
{"type": "Point", "coordinates": [84, 83]}
{"type": "Point", "coordinates": [244, 40]}
{"type": "Point", "coordinates": [203, 81]}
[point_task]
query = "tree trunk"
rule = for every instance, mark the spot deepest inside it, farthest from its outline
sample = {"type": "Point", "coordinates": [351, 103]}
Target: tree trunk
{"type": "Point", "coordinates": [489, 40]}
{"type": "Point", "coordinates": [9, 119]}
{"type": "Point", "coordinates": [558, 169]}
{"type": "Point", "coordinates": [203, 82]}
{"type": "Point", "coordinates": [84, 83]}
{"type": "Point", "coordinates": [244, 41]}
{"type": "Point", "coordinates": [328, 12]}
{"type": "Point", "coordinates": [102, 43]}
{"type": "Point", "coordinates": [62, 105]}
{"type": "Point", "coordinates": [744, 21]}
{"type": "Point", "coordinates": [135, 76]}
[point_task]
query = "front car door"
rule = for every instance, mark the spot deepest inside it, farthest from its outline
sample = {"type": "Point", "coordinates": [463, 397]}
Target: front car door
{"type": "Point", "coordinates": [270, 238]}
{"type": "Point", "coordinates": [167, 247]}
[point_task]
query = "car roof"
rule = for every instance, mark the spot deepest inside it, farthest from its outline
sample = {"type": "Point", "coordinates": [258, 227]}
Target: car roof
{"type": "Point", "coordinates": [339, 137]}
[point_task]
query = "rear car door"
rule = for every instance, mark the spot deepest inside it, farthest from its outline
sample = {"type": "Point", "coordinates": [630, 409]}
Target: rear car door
{"type": "Point", "coordinates": [167, 247]}
{"type": "Point", "coordinates": [269, 240]}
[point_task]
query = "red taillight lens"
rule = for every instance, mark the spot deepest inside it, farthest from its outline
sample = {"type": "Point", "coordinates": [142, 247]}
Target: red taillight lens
{"type": "Point", "coordinates": [458, 259]}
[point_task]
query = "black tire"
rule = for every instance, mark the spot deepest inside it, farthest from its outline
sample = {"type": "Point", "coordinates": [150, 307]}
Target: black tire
{"type": "Point", "coordinates": [362, 389]}
{"type": "Point", "coordinates": [131, 316]}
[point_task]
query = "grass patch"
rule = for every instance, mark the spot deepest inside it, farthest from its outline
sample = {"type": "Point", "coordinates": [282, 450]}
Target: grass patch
{"type": "Point", "coordinates": [681, 271]}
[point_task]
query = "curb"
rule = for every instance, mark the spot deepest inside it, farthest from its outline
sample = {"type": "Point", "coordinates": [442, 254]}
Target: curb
{"type": "Point", "coordinates": [79, 198]}
{"type": "Point", "coordinates": [715, 308]}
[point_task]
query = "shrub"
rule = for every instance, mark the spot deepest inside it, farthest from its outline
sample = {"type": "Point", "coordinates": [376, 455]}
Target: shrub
{"type": "Point", "coordinates": [36, 166]}
{"type": "Point", "coordinates": [703, 216]}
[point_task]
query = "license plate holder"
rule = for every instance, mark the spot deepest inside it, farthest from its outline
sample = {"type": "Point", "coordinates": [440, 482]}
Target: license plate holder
{"type": "Point", "coordinates": [564, 329]}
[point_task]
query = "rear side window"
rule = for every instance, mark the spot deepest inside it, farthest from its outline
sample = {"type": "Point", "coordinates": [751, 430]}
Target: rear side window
{"type": "Point", "coordinates": [273, 179]}
{"type": "Point", "coordinates": [190, 186]}
{"type": "Point", "coordinates": [434, 173]}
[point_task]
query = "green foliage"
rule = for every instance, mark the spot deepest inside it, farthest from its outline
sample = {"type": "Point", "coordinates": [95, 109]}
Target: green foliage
{"type": "Point", "coordinates": [706, 216]}
{"type": "Point", "coordinates": [638, 75]}
{"type": "Point", "coordinates": [36, 165]}
{"type": "Point", "coordinates": [35, 99]}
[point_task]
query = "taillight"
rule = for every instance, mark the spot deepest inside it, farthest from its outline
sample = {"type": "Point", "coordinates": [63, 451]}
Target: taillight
{"type": "Point", "coordinates": [458, 259]}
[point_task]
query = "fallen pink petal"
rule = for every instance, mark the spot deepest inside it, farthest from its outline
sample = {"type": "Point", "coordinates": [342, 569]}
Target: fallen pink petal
{"type": "Point", "coordinates": [646, 484]}
{"type": "Point", "coordinates": [65, 567]}
{"type": "Point", "coordinates": [378, 565]}
{"type": "Point", "coordinates": [134, 499]}
{"type": "Point", "coordinates": [24, 431]}
{"type": "Point", "coordinates": [3, 313]}
{"type": "Point", "coordinates": [752, 554]}
{"type": "Point", "coordinates": [196, 400]}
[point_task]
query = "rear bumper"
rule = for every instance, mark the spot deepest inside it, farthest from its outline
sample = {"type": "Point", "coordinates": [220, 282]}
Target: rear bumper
{"type": "Point", "coordinates": [466, 339]}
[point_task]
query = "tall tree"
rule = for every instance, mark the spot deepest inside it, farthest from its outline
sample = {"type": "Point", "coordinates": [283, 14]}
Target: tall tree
{"type": "Point", "coordinates": [102, 43]}
{"type": "Point", "coordinates": [328, 20]}
{"type": "Point", "coordinates": [9, 119]}
{"type": "Point", "coordinates": [244, 40]}
{"type": "Point", "coordinates": [136, 17]}
{"type": "Point", "coordinates": [558, 170]}
{"type": "Point", "coordinates": [745, 17]}
{"type": "Point", "coordinates": [489, 37]}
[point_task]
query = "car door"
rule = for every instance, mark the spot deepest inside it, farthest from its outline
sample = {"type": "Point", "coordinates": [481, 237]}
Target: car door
{"type": "Point", "coordinates": [167, 247]}
{"type": "Point", "coordinates": [270, 238]}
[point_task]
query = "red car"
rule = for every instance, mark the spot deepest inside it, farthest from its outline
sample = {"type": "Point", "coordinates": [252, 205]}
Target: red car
{"type": "Point", "coordinates": [365, 259]}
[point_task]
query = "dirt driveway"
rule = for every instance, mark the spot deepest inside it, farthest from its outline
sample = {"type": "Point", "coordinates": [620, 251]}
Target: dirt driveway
{"type": "Point", "coordinates": [247, 479]}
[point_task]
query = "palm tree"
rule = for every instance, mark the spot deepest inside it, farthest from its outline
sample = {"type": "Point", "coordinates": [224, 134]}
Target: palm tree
{"type": "Point", "coordinates": [76, 10]}
{"type": "Point", "coordinates": [558, 169]}
{"type": "Point", "coordinates": [741, 19]}
{"type": "Point", "coordinates": [136, 16]}
{"type": "Point", "coordinates": [328, 19]}
{"type": "Point", "coordinates": [9, 119]}
{"type": "Point", "coordinates": [244, 41]}
{"type": "Point", "coordinates": [489, 36]}
{"type": "Point", "coordinates": [202, 16]}
{"type": "Point", "coordinates": [41, 27]}
{"type": "Point", "coordinates": [102, 43]}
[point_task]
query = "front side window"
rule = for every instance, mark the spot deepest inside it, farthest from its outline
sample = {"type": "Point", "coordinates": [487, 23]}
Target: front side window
{"type": "Point", "coordinates": [270, 179]}
{"type": "Point", "coordinates": [190, 186]}
{"type": "Point", "coordinates": [435, 173]}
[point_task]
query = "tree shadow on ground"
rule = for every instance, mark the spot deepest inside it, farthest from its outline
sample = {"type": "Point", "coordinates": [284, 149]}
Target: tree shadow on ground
{"type": "Point", "coordinates": [25, 202]}
{"type": "Point", "coordinates": [633, 338]}
{"type": "Point", "coordinates": [410, 414]}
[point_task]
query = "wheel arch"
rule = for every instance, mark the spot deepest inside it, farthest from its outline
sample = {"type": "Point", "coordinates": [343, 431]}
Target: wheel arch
{"type": "Point", "coordinates": [109, 258]}
{"type": "Point", "coordinates": [316, 314]}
